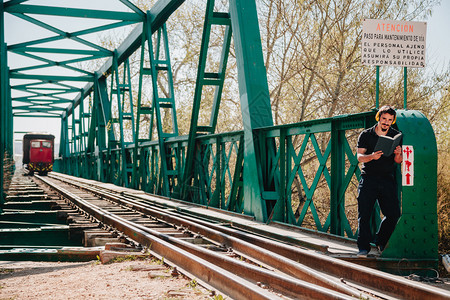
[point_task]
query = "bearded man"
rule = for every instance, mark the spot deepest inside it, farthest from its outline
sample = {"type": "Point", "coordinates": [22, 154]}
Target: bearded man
{"type": "Point", "coordinates": [377, 182]}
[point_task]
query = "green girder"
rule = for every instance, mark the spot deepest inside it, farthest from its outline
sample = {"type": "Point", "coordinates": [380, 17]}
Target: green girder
{"type": "Point", "coordinates": [302, 174]}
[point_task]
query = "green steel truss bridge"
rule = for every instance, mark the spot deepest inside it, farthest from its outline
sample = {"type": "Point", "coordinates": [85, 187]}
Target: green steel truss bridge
{"type": "Point", "coordinates": [301, 174]}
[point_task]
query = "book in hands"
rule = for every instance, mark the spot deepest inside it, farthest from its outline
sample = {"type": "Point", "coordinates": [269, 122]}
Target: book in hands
{"type": "Point", "coordinates": [388, 144]}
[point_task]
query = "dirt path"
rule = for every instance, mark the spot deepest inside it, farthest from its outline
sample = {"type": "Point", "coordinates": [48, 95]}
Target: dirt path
{"type": "Point", "coordinates": [92, 280]}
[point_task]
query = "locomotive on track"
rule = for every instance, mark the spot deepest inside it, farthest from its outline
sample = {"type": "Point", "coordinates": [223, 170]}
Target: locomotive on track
{"type": "Point", "coordinates": [38, 152]}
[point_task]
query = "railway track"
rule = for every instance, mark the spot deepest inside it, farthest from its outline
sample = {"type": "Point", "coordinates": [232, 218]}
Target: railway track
{"type": "Point", "coordinates": [239, 264]}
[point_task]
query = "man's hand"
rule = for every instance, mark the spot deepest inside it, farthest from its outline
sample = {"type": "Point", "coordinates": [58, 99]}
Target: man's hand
{"type": "Point", "coordinates": [377, 155]}
{"type": "Point", "coordinates": [363, 157]}
{"type": "Point", "coordinates": [398, 158]}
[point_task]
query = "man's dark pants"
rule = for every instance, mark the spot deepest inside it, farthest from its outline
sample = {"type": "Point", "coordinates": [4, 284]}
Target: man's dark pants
{"type": "Point", "coordinates": [383, 189]}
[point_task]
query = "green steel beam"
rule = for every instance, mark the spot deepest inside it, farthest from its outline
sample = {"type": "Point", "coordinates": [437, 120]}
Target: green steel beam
{"type": "Point", "coordinates": [159, 14]}
{"type": "Point", "coordinates": [93, 53]}
{"type": "Point", "coordinates": [119, 90]}
{"type": "Point", "coordinates": [71, 35]}
{"type": "Point", "coordinates": [159, 101]}
{"type": "Point", "coordinates": [28, 115]}
{"type": "Point", "coordinates": [4, 82]}
{"type": "Point", "coordinates": [62, 33]}
{"type": "Point", "coordinates": [83, 157]}
{"type": "Point", "coordinates": [40, 108]}
{"type": "Point", "coordinates": [206, 79]}
{"type": "Point", "coordinates": [50, 64]}
{"type": "Point", "coordinates": [13, 2]}
{"type": "Point", "coordinates": [37, 101]}
{"type": "Point", "coordinates": [157, 64]}
{"type": "Point", "coordinates": [35, 85]}
{"type": "Point", "coordinates": [134, 8]}
{"type": "Point", "coordinates": [337, 177]}
{"type": "Point", "coordinates": [405, 88]}
{"type": "Point", "coordinates": [138, 169]}
{"type": "Point", "coordinates": [64, 149]}
{"type": "Point", "coordinates": [221, 72]}
{"type": "Point", "coordinates": [103, 114]}
{"type": "Point", "coordinates": [48, 93]}
{"type": "Point", "coordinates": [74, 12]}
{"type": "Point", "coordinates": [50, 78]}
{"type": "Point", "coordinates": [255, 100]}
{"type": "Point", "coordinates": [62, 90]}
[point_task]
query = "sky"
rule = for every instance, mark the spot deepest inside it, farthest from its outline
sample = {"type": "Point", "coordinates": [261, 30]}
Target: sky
{"type": "Point", "coordinates": [438, 42]}
{"type": "Point", "coordinates": [437, 52]}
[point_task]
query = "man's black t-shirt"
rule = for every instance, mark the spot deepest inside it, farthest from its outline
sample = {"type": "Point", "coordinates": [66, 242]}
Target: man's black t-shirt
{"type": "Point", "coordinates": [385, 165]}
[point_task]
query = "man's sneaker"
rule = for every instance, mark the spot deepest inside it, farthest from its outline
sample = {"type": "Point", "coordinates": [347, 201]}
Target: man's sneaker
{"type": "Point", "coordinates": [380, 249]}
{"type": "Point", "coordinates": [362, 253]}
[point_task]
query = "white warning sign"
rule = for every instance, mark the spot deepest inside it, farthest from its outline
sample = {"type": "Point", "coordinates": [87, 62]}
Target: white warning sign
{"type": "Point", "coordinates": [393, 43]}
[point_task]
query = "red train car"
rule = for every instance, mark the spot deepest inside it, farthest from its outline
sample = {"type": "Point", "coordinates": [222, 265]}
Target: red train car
{"type": "Point", "coordinates": [38, 152]}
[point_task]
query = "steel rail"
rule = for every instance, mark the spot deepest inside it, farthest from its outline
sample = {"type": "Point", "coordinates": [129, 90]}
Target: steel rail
{"type": "Point", "coordinates": [308, 263]}
{"type": "Point", "coordinates": [159, 243]}
{"type": "Point", "coordinates": [216, 276]}
{"type": "Point", "coordinates": [317, 262]}
{"type": "Point", "coordinates": [270, 258]}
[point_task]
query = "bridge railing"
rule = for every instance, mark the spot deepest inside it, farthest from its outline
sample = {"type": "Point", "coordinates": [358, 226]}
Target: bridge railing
{"type": "Point", "coordinates": [311, 166]}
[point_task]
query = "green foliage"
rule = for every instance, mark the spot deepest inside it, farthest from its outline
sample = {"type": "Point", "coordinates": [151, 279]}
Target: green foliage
{"type": "Point", "coordinates": [98, 261]}
{"type": "Point", "coordinates": [444, 202]}
{"type": "Point", "coordinates": [218, 297]}
{"type": "Point", "coordinates": [442, 130]}
{"type": "Point", "coordinates": [130, 257]}
{"type": "Point", "coordinates": [193, 283]}
{"type": "Point", "coordinates": [157, 261]}
{"type": "Point", "coordinates": [8, 171]}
